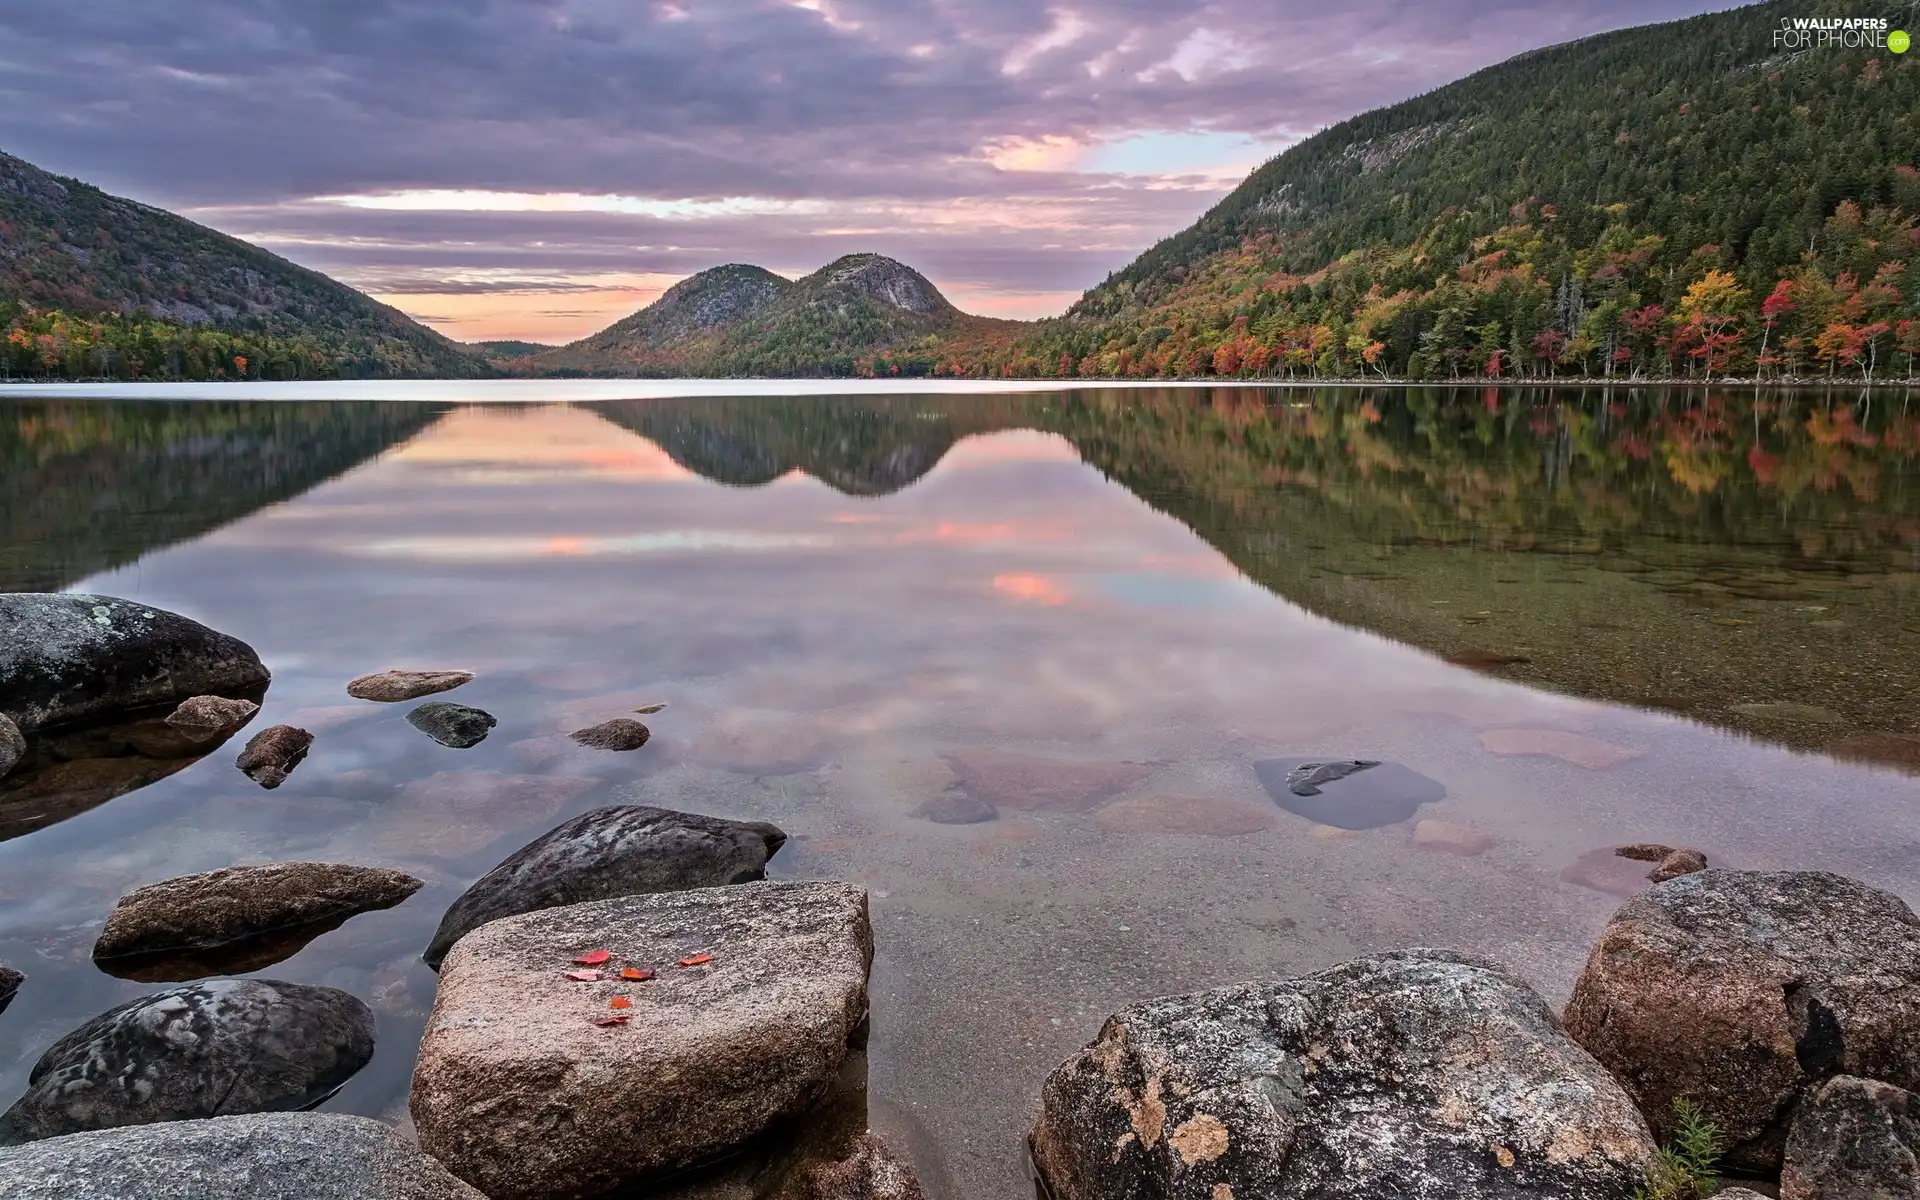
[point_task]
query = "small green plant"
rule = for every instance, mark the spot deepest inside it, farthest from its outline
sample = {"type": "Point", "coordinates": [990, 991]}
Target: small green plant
{"type": "Point", "coordinates": [1688, 1166]}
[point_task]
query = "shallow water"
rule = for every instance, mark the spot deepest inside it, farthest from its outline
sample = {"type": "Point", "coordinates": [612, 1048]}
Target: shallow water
{"type": "Point", "coordinates": [1687, 622]}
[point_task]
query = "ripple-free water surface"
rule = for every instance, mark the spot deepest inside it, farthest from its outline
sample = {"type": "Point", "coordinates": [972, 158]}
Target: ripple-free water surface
{"type": "Point", "coordinates": [1681, 610]}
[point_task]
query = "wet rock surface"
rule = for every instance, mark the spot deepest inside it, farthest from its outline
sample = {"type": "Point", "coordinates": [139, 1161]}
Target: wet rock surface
{"type": "Point", "coordinates": [621, 733]}
{"type": "Point", "coordinates": [272, 754]}
{"type": "Point", "coordinates": [1383, 793]}
{"type": "Point", "coordinates": [1417, 1075]}
{"type": "Point", "coordinates": [220, 910]}
{"type": "Point", "coordinates": [871, 1172]}
{"type": "Point", "coordinates": [1744, 990]}
{"type": "Point", "coordinates": [10, 981]}
{"type": "Point", "coordinates": [623, 850]}
{"type": "Point", "coordinates": [79, 657]}
{"type": "Point", "coordinates": [521, 1092]}
{"type": "Point", "coordinates": [264, 1156]}
{"type": "Point", "coordinates": [208, 718]}
{"type": "Point", "coordinates": [1028, 783]}
{"type": "Point", "coordinates": [392, 686]}
{"type": "Point", "coordinates": [455, 726]}
{"type": "Point", "coordinates": [1854, 1139]}
{"type": "Point", "coordinates": [13, 745]}
{"type": "Point", "coordinates": [217, 1048]}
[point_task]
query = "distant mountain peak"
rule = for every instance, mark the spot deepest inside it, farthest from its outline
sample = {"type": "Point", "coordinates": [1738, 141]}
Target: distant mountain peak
{"type": "Point", "coordinates": [880, 278]}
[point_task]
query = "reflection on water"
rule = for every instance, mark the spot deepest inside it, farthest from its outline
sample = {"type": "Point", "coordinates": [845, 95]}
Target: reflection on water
{"type": "Point", "coordinates": [1014, 663]}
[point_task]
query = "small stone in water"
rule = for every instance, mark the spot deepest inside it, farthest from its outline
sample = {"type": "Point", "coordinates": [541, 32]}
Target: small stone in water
{"type": "Point", "coordinates": [453, 725]}
{"type": "Point", "coordinates": [390, 686]}
{"type": "Point", "coordinates": [621, 733]}
{"type": "Point", "coordinates": [273, 753]}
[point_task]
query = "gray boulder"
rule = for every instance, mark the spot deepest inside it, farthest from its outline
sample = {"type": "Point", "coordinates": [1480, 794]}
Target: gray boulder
{"type": "Point", "coordinates": [1854, 1139]}
{"type": "Point", "coordinates": [215, 911]}
{"type": "Point", "coordinates": [222, 1047]}
{"type": "Point", "coordinates": [70, 658]}
{"type": "Point", "coordinates": [272, 754]}
{"type": "Point", "coordinates": [263, 1156]}
{"type": "Point", "coordinates": [453, 725]}
{"type": "Point", "coordinates": [532, 1084]}
{"type": "Point", "coordinates": [624, 850]}
{"type": "Point", "coordinates": [1415, 1075]}
{"type": "Point", "coordinates": [13, 745]}
{"type": "Point", "coordinates": [1743, 990]}
{"type": "Point", "coordinates": [10, 981]}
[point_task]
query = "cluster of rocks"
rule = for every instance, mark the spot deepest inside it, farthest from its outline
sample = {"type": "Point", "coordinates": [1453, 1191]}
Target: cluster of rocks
{"type": "Point", "coordinates": [622, 1001]}
{"type": "Point", "coordinates": [1783, 1008]}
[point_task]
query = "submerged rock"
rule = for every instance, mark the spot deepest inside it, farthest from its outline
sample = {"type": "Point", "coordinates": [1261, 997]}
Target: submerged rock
{"type": "Point", "coordinates": [872, 1172]}
{"type": "Point", "coordinates": [1203, 816]}
{"type": "Point", "coordinates": [453, 813]}
{"type": "Point", "coordinates": [453, 725]}
{"type": "Point", "coordinates": [206, 718]}
{"type": "Point", "coordinates": [1421, 1073]}
{"type": "Point", "coordinates": [523, 1092]}
{"type": "Point", "coordinates": [621, 733]}
{"type": "Point", "coordinates": [13, 745]}
{"type": "Point", "coordinates": [262, 1156]}
{"type": "Point", "coordinates": [220, 910]}
{"type": "Point", "coordinates": [392, 686]}
{"type": "Point", "coordinates": [955, 807]}
{"type": "Point", "coordinates": [50, 792]}
{"type": "Point", "coordinates": [1625, 871]}
{"type": "Point", "coordinates": [272, 754]}
{"type": "Point", "coordinates": [1581, 751]}
{"type": "Point", "coordinates": [1028, 783]}
{"type": "Point", "coordinates": [10, 981]}
{"type": "Point", "coordinates": [1358, 797]}
{"type": "Point", "coordinates": [1743, 990]}
{"type": "Point", "coordinates": [1449, 837]}
{"type": "Point", "coordinates": [76, 657]}
{"type": "Point", "coordinates": [209, 1049]}
{"type": "Point", "coordinates": [623, 850]}
{"type": "Point", "coordinates": [1854, 1139]}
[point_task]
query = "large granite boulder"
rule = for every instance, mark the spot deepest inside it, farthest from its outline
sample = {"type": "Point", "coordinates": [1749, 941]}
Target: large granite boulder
{"type": "Point", "coordinates": [70, 658]}
{"type": "Point", "coordinates": [262, 1156]}
{"type": "Point", "coordinates": [200, 917]}
{"type": "Point", "coordinates": [223, 1047]}
{"type": "Point", "coordinates": [1854, 1139]}
{"type": "Point", "coordinates": [1742, 990]}
{"type": "Point", "coordinates": [624, 850]}
{"type": "Point", "coordinates": [533, 1082]}
{"type": "Point", "coordinates": [1415, 1075]}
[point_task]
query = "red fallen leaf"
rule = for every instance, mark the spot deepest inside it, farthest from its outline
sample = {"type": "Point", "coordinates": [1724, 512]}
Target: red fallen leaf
{"type": "Point", "coordinates": [694, 960]}
{"type": "Point", "coordinates": [622, 1019]}
{"type": "Point", "coordinates": [637, 974]}
{"type": "Point", "coordinates": [584, 976]}
{"type": "Point", "coordinates": [619, 1002]}
{"type": "Point", "coordinates": [593, 958]}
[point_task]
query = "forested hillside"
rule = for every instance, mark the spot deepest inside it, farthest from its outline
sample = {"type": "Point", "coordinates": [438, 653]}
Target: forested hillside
{"type": "Point", "coordinates": [92, 285]}
{"type": "Point", "coordinates": [742, 320]}
{"type": "Point", "coordinates": [1677, 199]}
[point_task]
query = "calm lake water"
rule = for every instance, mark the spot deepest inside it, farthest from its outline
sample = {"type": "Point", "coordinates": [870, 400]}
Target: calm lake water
{"type": "Point", "coordinates": [1592, 617]}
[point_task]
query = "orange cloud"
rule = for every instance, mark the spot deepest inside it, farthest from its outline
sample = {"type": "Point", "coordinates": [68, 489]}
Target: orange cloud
{"type": "Point", "coordinates": [1030, 589]}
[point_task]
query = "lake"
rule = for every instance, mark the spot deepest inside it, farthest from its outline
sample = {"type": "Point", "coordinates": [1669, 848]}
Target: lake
{"type": "Point", "coordinates": [1579, 617]}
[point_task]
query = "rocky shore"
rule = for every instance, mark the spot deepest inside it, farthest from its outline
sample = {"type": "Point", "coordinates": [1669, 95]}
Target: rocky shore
{"type": "Point", "coordinates": [626, 1006]}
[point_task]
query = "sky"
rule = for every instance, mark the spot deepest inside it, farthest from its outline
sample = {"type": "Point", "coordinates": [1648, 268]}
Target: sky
{"type": "Point", "coordinates": [538, 168]}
